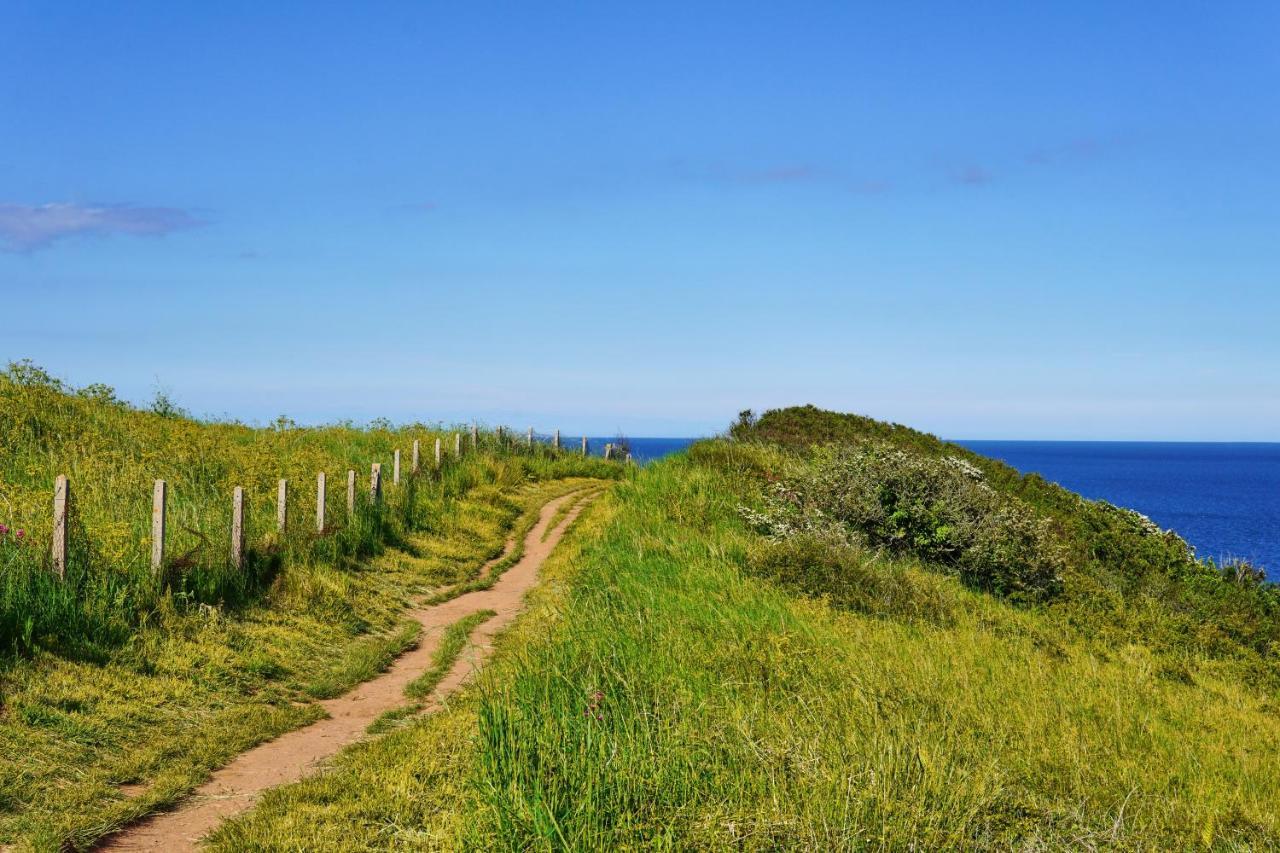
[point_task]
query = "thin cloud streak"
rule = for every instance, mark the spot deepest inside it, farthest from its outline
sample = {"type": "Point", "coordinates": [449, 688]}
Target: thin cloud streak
{"type": "Point", "coordinates": [26, 228]}
{"type": "Point", "coordinates": [973, 176]}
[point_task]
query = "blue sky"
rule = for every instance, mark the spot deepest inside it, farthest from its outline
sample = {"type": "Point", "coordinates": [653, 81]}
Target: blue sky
{"type": "Point", "coordinates": [988, 221]}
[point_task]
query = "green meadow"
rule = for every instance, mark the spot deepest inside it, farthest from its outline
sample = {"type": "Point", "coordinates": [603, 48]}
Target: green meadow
{"type": "Point", "coordinates": [685, 679]}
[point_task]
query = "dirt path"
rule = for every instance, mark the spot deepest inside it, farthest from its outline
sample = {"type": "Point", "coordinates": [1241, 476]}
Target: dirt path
{"type": "Point", "coordinates": [234, 788]}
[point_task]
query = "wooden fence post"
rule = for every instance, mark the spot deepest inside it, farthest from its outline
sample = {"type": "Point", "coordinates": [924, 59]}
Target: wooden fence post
{"type": "Point", "coordinates": [608, 451]}
{"type": "Point", "coordinates": [556, 441]}
{"type": "Point", "coordinates": [237, 527]}
{"type": "Point", "coordinates": [414, 469]}
{"type": "Point", "coordinates": [320, 502]}
{"type": "Point", "coordinates": [584, 445]}
{"type": "Point", "coordinates": [351, 492]}
{"type": "Point", "coordinates": [158, 500]}
{"type": "Point", "coordinates": [475, 436]}
{"type": "Point", "coordinates": [457, 444]}
{"type": "Point", "coordinates": [375, 482]}
{"type": "Point", "coordinates": [282, 506]}
{"type": "Point", "coordinates": [395, 470]}
{"type": "Point", "coordinates": [61, 507]}
{"type": "Point", "coordinates": [437, 454]}
{"type": "Point", "coordinates": [530, 437]}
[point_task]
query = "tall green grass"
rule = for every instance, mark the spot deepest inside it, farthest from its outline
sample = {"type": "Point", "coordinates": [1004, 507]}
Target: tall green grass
{"type": "Point", "coordinates": [680, 683]}
{"type": "Point", "coordinates": [113, 452]}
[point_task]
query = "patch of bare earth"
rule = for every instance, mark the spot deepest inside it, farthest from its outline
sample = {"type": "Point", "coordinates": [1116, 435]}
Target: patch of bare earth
{"type": "Point", "coordinates": [235, 787]}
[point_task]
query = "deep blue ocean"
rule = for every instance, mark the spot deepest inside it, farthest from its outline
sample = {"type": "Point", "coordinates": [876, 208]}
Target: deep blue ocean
{"type": "Point", "coordinates": [1223, 498]}
{"type": "Point", "coordinates": [642, 449]}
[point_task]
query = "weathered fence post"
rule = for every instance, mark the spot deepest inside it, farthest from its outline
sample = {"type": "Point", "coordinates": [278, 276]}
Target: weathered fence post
{"type": "Point", "coordinates": [414, 468]}
{"type": "Point", "coordinates": [158, 501]}
{"type": "Point", "coordinates": [608, 451]}
{"type": "Point", "coordinates": [237, 527]}
{"type": "Point", "coordinates": [61, 506]}
{"type": "Point", "coordinates": [457, 444]}
{"type": "Point", "coordinates": [437, 454]}
{"type": "Point", "coordinates": [475, 436]}
{"type": "Point", "coordinates": [375, 482]}
{"type": "Point", "coordinates": [320, 502]}
{"type": "Point", "coordinates": [584, 445]}
{"type": "Point", "coordinates": [282, 506]}
{"type": "Point", "coordinates": [628, 459]}
{"type": "Point", "coordinates": [351, 492]}
{"type": "Point", "coordinates": [530, 442]}
{"type": "Point", "coordinates": [395, 469]}
{"type": "Point", "coordinates": [556, 441]}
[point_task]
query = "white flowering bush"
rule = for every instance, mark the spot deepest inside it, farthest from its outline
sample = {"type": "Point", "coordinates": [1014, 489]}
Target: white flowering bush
{"type": "Point", "coordinates": [939, 510]}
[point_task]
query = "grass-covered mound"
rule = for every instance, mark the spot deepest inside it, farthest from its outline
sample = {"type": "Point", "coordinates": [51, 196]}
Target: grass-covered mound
{"type": "Point", "coordinates": [714, 664]}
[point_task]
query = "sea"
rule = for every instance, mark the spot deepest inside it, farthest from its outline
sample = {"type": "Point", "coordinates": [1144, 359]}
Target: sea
{"type": "Point", "coordinates": [1223, 498]}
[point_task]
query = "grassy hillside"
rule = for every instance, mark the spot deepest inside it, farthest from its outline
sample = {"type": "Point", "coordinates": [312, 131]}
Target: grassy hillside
{"type": "Point", "coordinates": [113, 452]}
{"type": "Point", "coordinates": [826, 634]}
{"type": "Point", "coordinates": [121, 688]}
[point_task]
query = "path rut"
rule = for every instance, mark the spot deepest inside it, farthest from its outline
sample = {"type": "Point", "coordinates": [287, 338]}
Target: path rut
{"type": "Point", "coordinates": [235, 787]}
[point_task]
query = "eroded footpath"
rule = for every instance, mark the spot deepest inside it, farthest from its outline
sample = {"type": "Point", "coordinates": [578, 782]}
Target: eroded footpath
{"type": "Point", "coordinates": [235, 787]}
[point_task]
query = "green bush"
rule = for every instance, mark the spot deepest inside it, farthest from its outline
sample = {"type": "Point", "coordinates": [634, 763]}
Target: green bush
{"type": "Point", "coordinates": [939, 510]}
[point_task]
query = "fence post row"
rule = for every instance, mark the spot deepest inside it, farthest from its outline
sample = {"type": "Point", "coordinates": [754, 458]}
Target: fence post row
{"type": "Point", "coordinates": [237, 527]}
{"type": "Point", "coordinates": [160, 495]}
{"type": "Point", "coordinates": [320, 502]}
{"type": "Point", "coordinates": [395, 469]}
{"type": "Point", "coordinates": [158, 501]}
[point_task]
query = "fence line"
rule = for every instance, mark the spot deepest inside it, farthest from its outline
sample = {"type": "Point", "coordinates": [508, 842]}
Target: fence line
{"type": "Point", "coordinates": [62, 502]}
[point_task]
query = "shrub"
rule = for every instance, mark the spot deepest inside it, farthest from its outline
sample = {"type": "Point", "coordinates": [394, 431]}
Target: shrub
{"type": "Point", "coordinates": [939, 510]}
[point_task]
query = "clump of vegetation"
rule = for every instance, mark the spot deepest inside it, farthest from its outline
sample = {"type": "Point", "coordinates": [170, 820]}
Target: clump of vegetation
{"type": "Point", "coordinates": [939, 510]}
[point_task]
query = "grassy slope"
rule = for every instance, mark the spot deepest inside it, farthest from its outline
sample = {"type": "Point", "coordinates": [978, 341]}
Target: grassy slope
{"type": "Point", "coordinates": [660, 694]}
{"type": "Point", "coordinates": [121, 679]}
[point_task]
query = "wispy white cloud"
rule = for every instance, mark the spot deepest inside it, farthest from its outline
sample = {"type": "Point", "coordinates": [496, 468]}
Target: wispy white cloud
{"type": "Point", "coordinates": [25, 228]}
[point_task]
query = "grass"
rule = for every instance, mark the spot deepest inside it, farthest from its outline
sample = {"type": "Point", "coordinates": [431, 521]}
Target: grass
{"type": "Point", "coordinates": [120, 690]}
{"type": "Point", "coordinates": [667, 689]}
{"type": "Point", "coordinates": [451, 645]}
